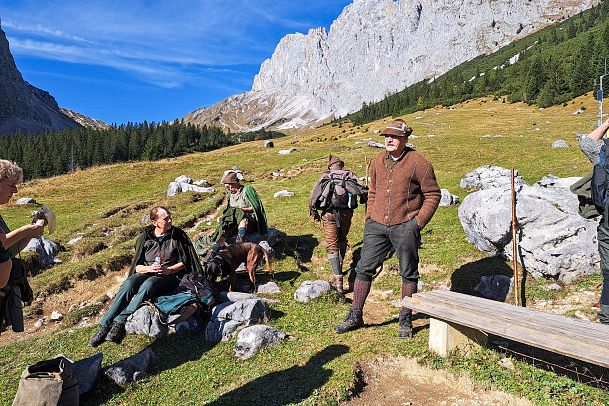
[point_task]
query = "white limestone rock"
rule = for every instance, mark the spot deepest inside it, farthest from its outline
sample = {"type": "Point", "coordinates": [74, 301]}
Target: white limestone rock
{"type": "Point", "coordinates": [252, 339]}
{"type": "Point", "coordinates": [310, 290]}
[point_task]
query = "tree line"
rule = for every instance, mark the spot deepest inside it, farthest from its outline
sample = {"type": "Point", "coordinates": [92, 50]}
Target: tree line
{"type": "Point", "coordinates": [553, 65]}
{"type": "Point", "coordinates": [55, 153]}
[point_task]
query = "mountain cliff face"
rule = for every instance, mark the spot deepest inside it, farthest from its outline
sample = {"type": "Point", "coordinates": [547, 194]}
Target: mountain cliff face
{"type": "Point", "coordinates": [375, 48]}
{"type": "Point", "coordinates": [24, 107]}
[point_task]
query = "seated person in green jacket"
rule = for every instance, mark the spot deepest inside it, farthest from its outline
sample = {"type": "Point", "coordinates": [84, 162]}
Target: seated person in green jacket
{"type": "Point", "coordinates": [163, 254]}
{"type": "Point", "coordinates": [244, 213]}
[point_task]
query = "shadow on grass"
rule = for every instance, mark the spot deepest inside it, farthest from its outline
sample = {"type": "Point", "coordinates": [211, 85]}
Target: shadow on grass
{"type": "Point", "coordinates": [292, 385]}
{"type": "Point", "coordinates": [299, 247]}
{"type": "Point", "coordinates": [171, 351]}
{"type": "Point", "coordinates": [468, 276]}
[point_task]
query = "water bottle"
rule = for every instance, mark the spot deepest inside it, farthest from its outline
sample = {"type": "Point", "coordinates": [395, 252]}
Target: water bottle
{"type": "Point", "coordinates": [159, 258]}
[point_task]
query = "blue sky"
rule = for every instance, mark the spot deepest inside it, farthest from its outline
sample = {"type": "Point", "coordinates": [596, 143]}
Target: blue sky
{"type": "Point", "coordinates": [135, 60]}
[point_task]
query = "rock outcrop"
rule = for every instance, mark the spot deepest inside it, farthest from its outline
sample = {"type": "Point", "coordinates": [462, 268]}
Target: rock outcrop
{"type": "Point", "coordinates": [554, 241]}
{"type": "Point", "coordinates": [24, 107]}
{"type": "Point", "coordinates": [375, 48]}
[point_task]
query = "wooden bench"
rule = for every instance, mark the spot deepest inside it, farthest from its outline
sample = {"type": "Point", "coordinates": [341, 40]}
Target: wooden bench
{"type": "Point", "coordinates": [462, 322]}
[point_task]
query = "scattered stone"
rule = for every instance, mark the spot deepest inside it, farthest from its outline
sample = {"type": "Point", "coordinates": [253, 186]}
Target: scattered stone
{"type": "Point", "coordinates": [174, 188]}
{"type": "Point", "coordinates": [251, 339]}
{"type": "Point", "coordinates": [268, 288]}
{"type": "Point", "coordinates": [192, 323]}
{"type": "Point", "coordinates": [276, 174]}
{"type": "Point", "coordinates": [202, 183]}
{"type": "Point", "coordinates": [560, 144]}
{"type": "Point", "coordinates": [311, 290]}
{"type": "Point", "coordinates": [145, 219]}
{"type": "Point", "coordinates": [133, 368]}
{"type": "Point", "coordinates": [375, 144]}
{"type": "Point", "coordinates": [496, 287]}
{"type": "Point", "coordinates": [283, 193]}
{"type": "Point", "coordinates": [235, 296]}
{"type": "Point", "coordinates": [490, 176]}
{"type": "Point", "coordinates": [39, 323]}
{"type": "Point", "coordinates": [268, 144]}
{"type": "Point", "coordinates": [75, 240]}
{"type": "Point", "coordinates": [553, 286]}
{"type": "Point", "coordinates": [418, 117]}
{"type": "Point", "coordinates": [148, 322]}
{"type": "Point", "coordinates": [286, 151]}
{"type": "Point", "coordinates": [26, 200]}
{"type": "Point", "coordinates": [46, 249]}
{"type": "Point", "coordinates": [578, 111]}
{"type": "Point", "coordinates": [448, 199]}
{"type": "Point", "coordinates": [183, 179]}
{"type": "Point", "coordinates": [56, 316]}
{"type": "Point", "coordinates": [110, 294]}
{"type": "Point", "coordinates": [230, 317]}
{"type": "Point", "coordinates": [506, 363]}
{"type": "Point", "coordinates": [86, 372]}
{"type": "Point", "coordinates": [555, 241]}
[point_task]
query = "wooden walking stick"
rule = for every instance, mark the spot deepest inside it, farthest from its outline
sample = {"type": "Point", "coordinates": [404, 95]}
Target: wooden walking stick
{"type": "Point", "coordinates": [515, 243]}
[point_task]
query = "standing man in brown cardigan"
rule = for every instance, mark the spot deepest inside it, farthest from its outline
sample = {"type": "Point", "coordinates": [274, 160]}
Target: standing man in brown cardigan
{"type": "Point", "coordinates": [403, 197]}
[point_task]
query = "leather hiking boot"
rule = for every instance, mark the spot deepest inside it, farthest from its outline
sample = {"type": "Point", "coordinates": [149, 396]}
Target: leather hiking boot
{"type": "Point", "coordinates": [99, 337]}
{"type": "Point", "coordinates": [117, 333]}
{"type": "Point", "coordinates": [405, 322]}
{"type": "Point", "coordinates": [353, 321]}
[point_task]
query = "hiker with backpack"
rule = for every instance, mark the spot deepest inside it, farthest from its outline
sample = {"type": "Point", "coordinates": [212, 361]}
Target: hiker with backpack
{"type": "Point", "coordinates": [596, 147]}
{"type": "Point", "coordinates": [403, 196]}
{"type": "Point", "coordinates": [335, 194]}
{"type": "Point", "coordinates": [243, 213]}
{"type": "Point", "coordinates": [163, 255]}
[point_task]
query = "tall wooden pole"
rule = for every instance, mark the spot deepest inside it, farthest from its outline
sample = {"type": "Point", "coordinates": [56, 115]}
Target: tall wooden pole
{"type": "Point", "coordinates": [515, 243]}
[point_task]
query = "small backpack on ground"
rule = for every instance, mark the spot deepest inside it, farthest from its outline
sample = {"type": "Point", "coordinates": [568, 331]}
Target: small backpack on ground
{"type": "Point", "coordinates": [46, 383]}
{"type": "Point", "coordinates": [600, 181]}
{"type": "Point", "coordinates": [202, 288]}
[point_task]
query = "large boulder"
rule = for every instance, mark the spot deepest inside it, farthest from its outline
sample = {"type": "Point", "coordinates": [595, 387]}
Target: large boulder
{"type": "Point", "coordinates": [134, 368]}
{"type": "Point", "coordinates": [46, 249]}
{"type": "Point", "coordinates": [554, 241]}
{"type": "Point", "coordinates": [311, 290]}
{"type": "Point", "coordinates": [148, 322]}
{"type": "Point", "coordinates": [229, 317]}
{"type": "Point", "coordinates": [490, 176]}
{"type": "Point", "coordinates": [251, 339]}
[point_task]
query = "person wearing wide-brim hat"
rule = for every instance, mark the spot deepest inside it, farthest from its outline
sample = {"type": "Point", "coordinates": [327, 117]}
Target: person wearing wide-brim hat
{"type": "Point", "coordinates": [243, 213]}
{"type": "Point", "coordinates": [403, 196]}
{"type": "Point", "coordinates": [336, 221]}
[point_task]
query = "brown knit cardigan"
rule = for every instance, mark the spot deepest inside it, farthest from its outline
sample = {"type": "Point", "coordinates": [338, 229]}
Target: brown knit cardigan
{"type": "Point", "coordinates": [409, 189]}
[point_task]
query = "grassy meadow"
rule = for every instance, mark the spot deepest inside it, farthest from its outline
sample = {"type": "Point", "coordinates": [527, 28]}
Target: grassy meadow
{"type": "Point", "coordinates": [104, 205]}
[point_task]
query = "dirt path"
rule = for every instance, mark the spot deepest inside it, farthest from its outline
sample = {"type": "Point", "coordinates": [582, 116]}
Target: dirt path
{"type": "Point", "coordinates": [401, 381]}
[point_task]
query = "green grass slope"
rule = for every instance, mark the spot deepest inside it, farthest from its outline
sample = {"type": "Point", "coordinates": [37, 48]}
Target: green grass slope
{"type": "Point", "coordinates": [105, 205]}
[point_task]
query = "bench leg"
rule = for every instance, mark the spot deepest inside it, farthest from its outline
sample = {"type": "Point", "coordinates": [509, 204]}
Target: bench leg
{"type": "Point", "coordinates": [446, 337]}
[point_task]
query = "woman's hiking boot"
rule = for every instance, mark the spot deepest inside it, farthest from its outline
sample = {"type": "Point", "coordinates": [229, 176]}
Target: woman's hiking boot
{"type": "Point", "coordinates": [353, 321]}
{"type": "Point", "coordinates": [117, 333]}
{"type": "Point", "coordinates": [405, 322]}
{"type": "Point", "coordinates": [99, 337]}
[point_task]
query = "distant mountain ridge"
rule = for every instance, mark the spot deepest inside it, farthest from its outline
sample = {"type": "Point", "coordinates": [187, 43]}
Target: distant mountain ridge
{"type": "Point", "coordinates": [84, 120]}
{"type": "Point", "coordinates": [375, 48]}
{"type": "Point", "coordinates": [24, 107]}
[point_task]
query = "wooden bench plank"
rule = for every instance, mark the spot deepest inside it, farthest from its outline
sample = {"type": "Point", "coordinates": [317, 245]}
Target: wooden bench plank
{"type": "Point", "coordinates": [536, 318]}
{"type": "Point", "coordinates": [543, 334]}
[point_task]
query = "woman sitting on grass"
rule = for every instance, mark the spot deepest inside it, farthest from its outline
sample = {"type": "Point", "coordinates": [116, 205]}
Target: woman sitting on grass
{"type": "Point", "coordinates": [163, 254]}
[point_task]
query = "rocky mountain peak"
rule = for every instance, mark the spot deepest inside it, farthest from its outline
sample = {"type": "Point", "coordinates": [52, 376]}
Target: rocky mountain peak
{"type": "Point", "coordinates": [24, 107]}
{"type": "Point", "coordinates": [375, 48]}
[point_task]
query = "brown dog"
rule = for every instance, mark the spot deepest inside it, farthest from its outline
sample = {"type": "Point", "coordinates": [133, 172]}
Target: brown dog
{"type": "Point", "coordinates": [228, 260]}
